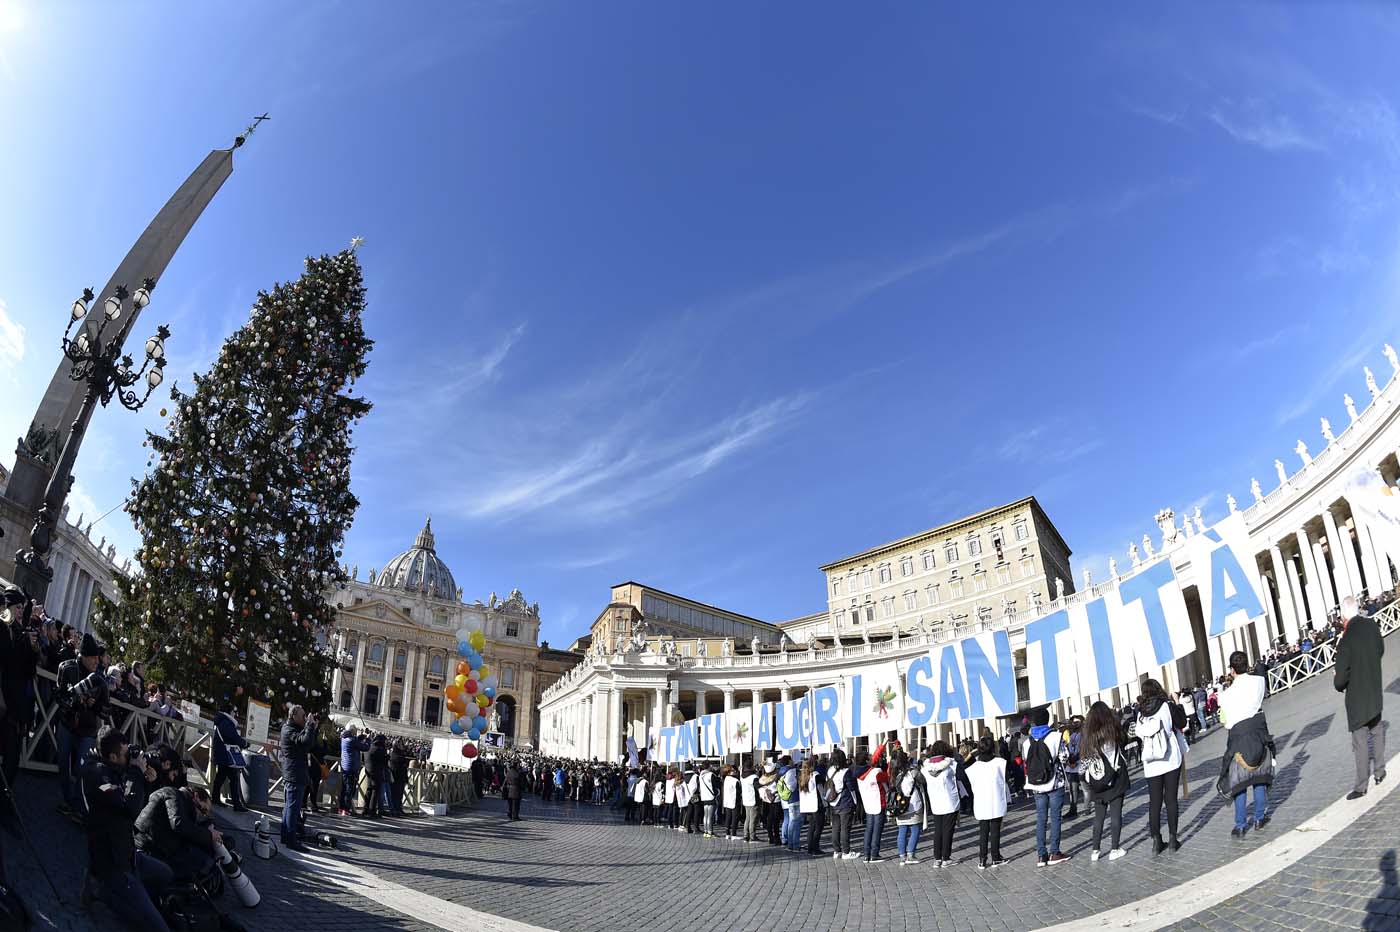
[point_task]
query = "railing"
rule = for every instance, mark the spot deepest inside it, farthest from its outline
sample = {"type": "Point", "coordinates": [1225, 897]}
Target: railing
{"type": "Point", "coordinates": [142, 728]}
{"type": "Point", "coordinates": [1323, 657]}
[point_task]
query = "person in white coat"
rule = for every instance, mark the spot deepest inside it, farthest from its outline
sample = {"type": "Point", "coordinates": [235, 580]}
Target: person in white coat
{"type": "Point", "coordinates": [909, 783]}
{"type": "Point", "coordinates": [811, 803]}
{"type": "Point", "coordinates": [940, 771]}
{"type": "Point", "coordinates": [1162, 756]}
{"type": "Point", "coordinates": [729, 799]}
{"type": "Point", "coordinates": [748, 795]}
{"type": "Point", "coordinates": [709, 798]}
{"type": "Point", "coordinates": [658, 799]}
{"type": "Point", "coordinates": [987, 777]}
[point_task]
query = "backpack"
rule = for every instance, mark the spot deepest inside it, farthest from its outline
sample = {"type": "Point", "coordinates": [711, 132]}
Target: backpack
{"type": "Point", "coordinates": [1101, 773]}
{"type": "Point", "coordinates": [1040, 764]}
{"type": "Point", "coordinates": [1157, 747]}
{"type": "Point", "coordinates": [896, 800]}
{"type": "Point", "coordinates": [784, 791]}
{"type": "Point", "coordinates": [1178, 716]}
{"type": "Point", "coordinates": [1074, 740]}
{"type": "Point", "coordinates": [834, 786]}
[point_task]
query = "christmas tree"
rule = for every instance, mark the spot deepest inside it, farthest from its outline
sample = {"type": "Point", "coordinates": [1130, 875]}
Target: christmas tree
{"type": "Point", "coordinates": [243, 515]}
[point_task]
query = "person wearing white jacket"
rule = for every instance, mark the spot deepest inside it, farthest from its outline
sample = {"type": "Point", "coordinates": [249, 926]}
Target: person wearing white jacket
{"type": "Point", "coordinates": [729, 795]}
{"type": "Point", "coordinates": [909, 781]}
{"type": "Point", "coordinates": [658, 799]}
{"type": "Point", "coordinates": [987, 777]}
{"type": "Point", "coordinates": [944, 794]}
{"type": "Point", "coordinates": [1162, 757]}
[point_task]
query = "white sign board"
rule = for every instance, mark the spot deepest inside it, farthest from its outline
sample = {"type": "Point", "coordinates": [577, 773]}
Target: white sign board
{"type": "Point", "coordinates": [259, 717]}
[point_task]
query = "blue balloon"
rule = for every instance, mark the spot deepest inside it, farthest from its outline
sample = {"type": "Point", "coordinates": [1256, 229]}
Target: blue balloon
{"type": "Point", "coordinates": [474, 661]}
{"type": "Point", "coordinates": [455, 727]}
{"type": "Point", "coordinates": [464, 649]}
{"type": "Point", "coordinates": [474, 734]}
{"type": "Point", "coordinates": [480, 721]}
{"type": "Point", "coordinates": [490, 692]}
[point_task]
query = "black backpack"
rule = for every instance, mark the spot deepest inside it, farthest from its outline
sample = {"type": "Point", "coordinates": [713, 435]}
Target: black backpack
{"type": "Point", "coordinates": [1101, 773]}
{"type": "Point", "coordinates": [1040, 764]}
{"type": "Point", "coordinates": [896, 801]}
{"type": "Point", "coordinates": [1178, 716]}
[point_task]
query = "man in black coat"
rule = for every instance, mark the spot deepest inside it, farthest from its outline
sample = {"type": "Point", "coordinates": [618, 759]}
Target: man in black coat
{"type": "Point", "coordinates": [298, 734]}
{"type": "Point", "coordinates": [1358, 674]}
{"type": "Point", "coordinates": [511, 788]}
{"type": "Point", "coordinates": [174, 827]}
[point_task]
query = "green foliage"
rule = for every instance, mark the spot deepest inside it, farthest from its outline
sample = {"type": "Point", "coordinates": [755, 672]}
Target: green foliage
{"type": "Point", "coordinates": [243, 516]}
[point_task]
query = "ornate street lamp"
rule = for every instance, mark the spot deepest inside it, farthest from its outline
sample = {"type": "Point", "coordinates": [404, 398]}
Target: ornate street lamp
{"type": "Point", "coordinates": [97, 360]}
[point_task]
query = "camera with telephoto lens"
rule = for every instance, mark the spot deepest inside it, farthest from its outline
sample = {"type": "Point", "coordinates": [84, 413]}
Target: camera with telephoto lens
{"type": "Point", "coordinates": [89, 687]}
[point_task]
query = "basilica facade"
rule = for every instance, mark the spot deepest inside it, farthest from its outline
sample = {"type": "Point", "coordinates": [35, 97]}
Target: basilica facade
{"type": "Point", "coordinates": [395, 642]}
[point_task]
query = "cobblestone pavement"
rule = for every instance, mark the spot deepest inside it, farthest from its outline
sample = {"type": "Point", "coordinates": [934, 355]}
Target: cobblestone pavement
{"type": "Point", "coordinates": [580, 868]}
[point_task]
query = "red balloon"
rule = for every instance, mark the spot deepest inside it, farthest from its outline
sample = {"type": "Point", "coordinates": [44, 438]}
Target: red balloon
{"type": "Point", "coordinates": [468, 750]}
{"type": "Point", "coordinates": [470, 687]}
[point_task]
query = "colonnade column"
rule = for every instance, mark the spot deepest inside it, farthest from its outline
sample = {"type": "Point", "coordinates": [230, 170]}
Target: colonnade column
{"type": "Point", "coordinates": [390, 650]}
{"type": "Point", "coordinates": [1287, 606]}
{"type": "Point", "coordinates": [1349, 581]}
{"type": "Point", "coordinates": [1330, 596]}
{"type": "Point", "coordinates": [1370, 566]}
{"type": "Point", "coordinates": [658, 711]}
{"type": "Point", "coordinates": [1317, 609]}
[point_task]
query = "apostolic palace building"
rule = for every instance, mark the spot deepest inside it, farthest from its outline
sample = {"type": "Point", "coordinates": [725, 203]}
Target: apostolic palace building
{"type": "Point", "coordinates": [655, 658]}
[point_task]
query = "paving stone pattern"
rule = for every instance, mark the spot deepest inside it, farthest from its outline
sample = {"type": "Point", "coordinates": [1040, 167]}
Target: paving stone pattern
{"type": "Point", "coordinates": [579, 868]}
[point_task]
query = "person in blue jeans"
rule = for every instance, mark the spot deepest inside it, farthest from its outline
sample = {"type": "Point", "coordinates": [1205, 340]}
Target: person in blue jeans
{"type": "Point", "coordinates": [872, 782]}
{"type": "Point", "coordinates": [1249, 759]}
{"type": "Point", "coordinates": [1045, 754]}
{"type": "Point", "coordinates": [792, 816]}
{"type": "Point", "coordinates": [909, 783]}
{"type": "Point", "coordinates": [298, 734]}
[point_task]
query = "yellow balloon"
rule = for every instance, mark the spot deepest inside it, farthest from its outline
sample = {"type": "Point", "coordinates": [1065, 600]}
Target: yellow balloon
{"type": "Point", "coordinates": [482, 701]}
{"type": "Point", "coordinates": [460, 680]}
{"type": "Point", "coordinates": [483, 673]}
{"type": "Point", "coordinates": [477, 640]}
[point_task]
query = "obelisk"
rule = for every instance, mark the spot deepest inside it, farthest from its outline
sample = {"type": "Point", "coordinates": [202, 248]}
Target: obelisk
{"type": "Point", "coordinates": [37, 451]}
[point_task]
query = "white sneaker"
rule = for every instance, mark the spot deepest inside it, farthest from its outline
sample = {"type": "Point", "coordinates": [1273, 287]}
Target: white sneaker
{"type": "Point", "coordinates": [911, 860]}
{"type": "Point", "coordinates": [1094, 856]}
{"type": "Point", "coordinates": [850, 856]}
{"type": "Point", "coordinates": [1117, 853]}
{"type": "Point", "coordinates": [835, 855]}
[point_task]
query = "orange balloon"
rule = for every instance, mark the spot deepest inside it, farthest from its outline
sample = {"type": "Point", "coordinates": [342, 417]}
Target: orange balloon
{"type": "Point", "coordinates": [453, 691]}
{"type": "Point", "coordinates": [457, 704]}
{"type": "Point", "coordinates": [463, 668]}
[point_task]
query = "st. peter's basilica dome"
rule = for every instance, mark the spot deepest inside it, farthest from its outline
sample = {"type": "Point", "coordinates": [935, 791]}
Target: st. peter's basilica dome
{"type": "Point", "coordinates": [418, 569]}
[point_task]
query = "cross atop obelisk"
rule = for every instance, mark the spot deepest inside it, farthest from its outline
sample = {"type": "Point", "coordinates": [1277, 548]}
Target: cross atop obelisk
{"type": "Point", "coordinates": [38, 451]}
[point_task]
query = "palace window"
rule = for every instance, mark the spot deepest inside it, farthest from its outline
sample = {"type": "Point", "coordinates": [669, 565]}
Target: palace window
{"type": "Point", "coordinates": [906, 566]}
{"type": "Point", "coordinates": [836, 586]}
{"type": "Point", "coordinates": [1028, 567]}
{"type": "Point", "coordinates": [376, 653]}
{"type": "Point", "coordinates": [974, 546]}
{"type": "Point", "coordinates": [979, 581]}
{"type": "Point", "coordinates": [512, 629]}
{"type": "Point", "coordinates": [884, 572]}
{"type": "Point", "coordinates": [887, 606]}
{"type": "Point", "coordinates": [950, 553]}
{"type": "Point", "coordinates": [865, 580]}
{"type": "Point", "coordinates": [869, 611]}
{"type": "Point", "coordinates": [932, 594]}
{"type": "Point", "coordinates": [911, 600]}
{"type": "Point", "coordinates": [508, 676]}
{"type": "Point", "coordinates": [400, 660]}
{"type": "Point", "coordinates": [928, 560]}
{"type": "Point", "coordinates": [840, 617]}
{"type": "Point", "coordinates": [1003, 575]}
{"type": "Point", "coordinates": [1022, 532]}
{"type": "Point", "coordinates": [435, 665]}
{"type": "Point", "coordinates": [955, 588]}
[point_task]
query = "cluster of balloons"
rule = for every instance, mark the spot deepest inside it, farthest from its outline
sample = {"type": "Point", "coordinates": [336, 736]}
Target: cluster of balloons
{"type": "Point", "coordinates": [473, 689]}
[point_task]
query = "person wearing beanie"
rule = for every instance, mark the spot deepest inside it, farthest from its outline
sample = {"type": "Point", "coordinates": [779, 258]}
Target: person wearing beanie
{"type": "Point", "coordinates": [77, 725]}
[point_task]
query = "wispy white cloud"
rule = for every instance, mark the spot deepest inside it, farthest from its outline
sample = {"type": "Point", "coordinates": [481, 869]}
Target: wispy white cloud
{"type": "Point", "coordinates": [1048, 444]}
{"type": "Point", "coordinates": [11, 339]}
{"type": "Point", "coordinates": [1256, 123]}
{"type": "Point", "coordinates": [592, 560]}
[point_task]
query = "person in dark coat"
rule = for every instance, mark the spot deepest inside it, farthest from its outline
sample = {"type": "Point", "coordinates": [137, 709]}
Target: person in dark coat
{"type": "Point", "coordinates": [512, 788]}
{"type": "Point", "coordinates": [298, 734]}
{"type": "Point", "coordinates": [378, 803]}
{"type": "Point", "coordinates": [352, 749]}
{"type": "Point", "coordinates": [228, 757]}
{"type": "Point", "coordinates": [1248, 762]}
{"type": "Point", "coordinates": [398, 776]}
{"type": "Point", "coordinates": [1358, 674]}
{"type": "Point", "coordinates": [174, 826]}
{"type": "Point", "coordinates": [77, 724]}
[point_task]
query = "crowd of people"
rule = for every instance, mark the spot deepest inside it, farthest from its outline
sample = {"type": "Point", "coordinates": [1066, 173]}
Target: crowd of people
{"type": "Point", "coordinates": [845, 806]}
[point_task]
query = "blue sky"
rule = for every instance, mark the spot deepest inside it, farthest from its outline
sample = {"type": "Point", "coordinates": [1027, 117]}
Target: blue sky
{"type": "Point", "coordinates": [708, 296]}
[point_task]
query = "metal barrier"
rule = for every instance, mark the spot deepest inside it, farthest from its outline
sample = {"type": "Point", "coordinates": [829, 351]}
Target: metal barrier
{"type": "Point", "coordinates": [1323, 657]}
{"type": "Point", "coordinates": [142, 728]}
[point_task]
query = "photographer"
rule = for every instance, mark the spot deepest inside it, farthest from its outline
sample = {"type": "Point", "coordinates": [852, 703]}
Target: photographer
{"type": "Point", "coordinates": [175, 826]}
{"type": "Point", "coordinates": [19, 658]}
{"type": "Point", "coordinates": [298, 734]}
{"type": "Point", "coordinates": [126, 880]}
{"type": "Point", "coordinates": [83, 695]}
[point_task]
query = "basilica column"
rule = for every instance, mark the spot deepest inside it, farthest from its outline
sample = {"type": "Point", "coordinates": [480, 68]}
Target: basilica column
{"type": "Point", "coordinates": [390, 648]}
{"type": "Point", "coordinates": [729, 698]}
{"type": "Point", "coordinates": [613, 735]}
{"type": "Point", "coordinates": [409, 713]}
{"type": "Point", "coordinates": [658, 710]}
{"type": "Point", "coordinates": [1349, 581]}
{"type": "Point", "coordinates": [357, 698]}
{"type": "Point", "coordinates": [1287, 606]}
{"type": "Point", "coordinates": [337, 639]}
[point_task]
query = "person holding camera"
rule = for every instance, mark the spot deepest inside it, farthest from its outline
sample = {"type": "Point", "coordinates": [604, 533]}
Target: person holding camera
{"type": "Point", "coordinates": [128, 881]}
{"type": "Point", "coordinates": [19, 658]}
{"type": "Point", "coordinates": [298, 734]}
{"type": "Point", "coordinates": [175, 826]}
{"type": "Point", "coordinates": [83, 697]}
